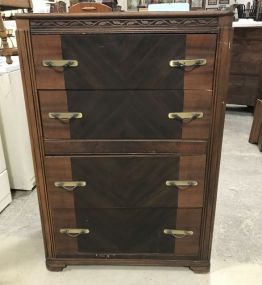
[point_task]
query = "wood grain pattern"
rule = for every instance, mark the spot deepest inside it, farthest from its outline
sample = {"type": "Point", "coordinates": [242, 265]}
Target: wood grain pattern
{"type": "Point", "coordinates": [126, 114]}
{"type": "Point", "coordinates": [46, 47]}
{"type": "Point", "coordinates": [200, 46]}
{"type": "Point", "coordinates": [83, 147]}
{"type": "Point", "coordinates": [56, 102]}
{"type": "Point", "coordinates": [125, 181]}
{"type": "Point", "coordinates": [130, 233]}
{"type": "Point", "coordinates": [151, 53]}
{"type": "Point", "coordinates": [63, 173]}
{"type": "Point", "coordinates": [215, 142]}
{"type": "Point", "coordinates": [196, 253]}
{"type": "Point", "coordinates": [29, 85]}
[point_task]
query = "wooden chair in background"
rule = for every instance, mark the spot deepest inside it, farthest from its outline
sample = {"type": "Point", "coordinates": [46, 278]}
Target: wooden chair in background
{"type": "Point", "coordinates": [5, 50]}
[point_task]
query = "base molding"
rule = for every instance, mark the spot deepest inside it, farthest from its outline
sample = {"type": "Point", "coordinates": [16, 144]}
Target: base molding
{"type": "Point", "coordinates": [58, 264]}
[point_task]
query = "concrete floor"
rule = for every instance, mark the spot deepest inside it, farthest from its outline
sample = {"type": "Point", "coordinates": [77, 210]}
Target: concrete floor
{"type": "Point", "coordinates": [237, 245]}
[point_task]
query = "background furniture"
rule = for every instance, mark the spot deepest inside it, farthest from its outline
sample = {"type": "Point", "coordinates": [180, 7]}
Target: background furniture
{"type": "Point", "coordinates": [5, 193]}
{"type": "Point", "coordinates": [14, 128]}
{"type": "Point", "coordinates": [5, 50]}
{"type": "Point", "coordinates": [89, 7]}
{"type": "Point", "coordinates": [256, 130]}
{"type": "Point", "coordinates": [126, 123]}
{"type": "Point", "coordinates": [245, 80]}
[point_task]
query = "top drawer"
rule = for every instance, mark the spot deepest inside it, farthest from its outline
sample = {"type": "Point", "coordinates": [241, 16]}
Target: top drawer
{"type": "Point", "coordinates": [124, 61]}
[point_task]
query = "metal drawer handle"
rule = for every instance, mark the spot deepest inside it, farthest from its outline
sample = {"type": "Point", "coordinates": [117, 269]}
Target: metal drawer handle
{"type": "Point", "coordinates": [186, 117]}
{"type": "Point", "coordinates": [181, 183]}
{"type": "Point", "coordinates": [70, 185]}
{"type": "Point", "coordinates": [65, 117]}
{"type": "Point", "coordinates": [60, 63]}
{"type": "Point", "coordinates": [178, 233]}
{"type": "Point", "coordinates": [74, 232]}
{"type": "Point", "coordinates": [183, 63]}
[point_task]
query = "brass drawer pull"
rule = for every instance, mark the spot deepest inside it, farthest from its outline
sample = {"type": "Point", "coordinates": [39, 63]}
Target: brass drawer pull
{"type": "Point", "coordinates": [74, 232]}
{"type": "Point", "coordinates": [65, 117]}
{"type": "Point", "coordinates": [60, 63]}
{"type": "Point", "coordinates": [178, 233]}
{"type": "Point", "coordinates": [181, 183]}
{"type": "Point", "coordinates": [186, 117]}
{"type": "Point", "coordinates": [182, 63]}
{"type": "Point", "coordinates": [70, 185]}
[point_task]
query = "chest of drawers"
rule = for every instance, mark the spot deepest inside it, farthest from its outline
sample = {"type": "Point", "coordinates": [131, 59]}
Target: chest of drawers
{"type": "Point", "coordinates": [126, 116]}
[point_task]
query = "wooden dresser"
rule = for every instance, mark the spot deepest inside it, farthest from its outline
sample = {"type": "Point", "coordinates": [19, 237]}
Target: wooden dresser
{"type": "Point", "coordinates": [126, 115]}
{"type": "Point", "coordinates": [245, 76]}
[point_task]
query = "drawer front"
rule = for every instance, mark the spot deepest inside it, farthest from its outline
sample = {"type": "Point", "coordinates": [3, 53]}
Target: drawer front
{"type": "Point", "coordinates": [125, 181]}
{"type": "Point", "coordinates": [127, 231]}
{"type": "Point", "coordinates": [126, 114]}
{"type": "Point", "coordinates": [123, 61]}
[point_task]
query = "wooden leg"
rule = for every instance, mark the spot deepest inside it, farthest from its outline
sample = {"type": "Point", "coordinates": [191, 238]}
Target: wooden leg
{"type": "Point", "coordinates": [200, 269]}
{"type": "Point", "coordinates": [55, 267]}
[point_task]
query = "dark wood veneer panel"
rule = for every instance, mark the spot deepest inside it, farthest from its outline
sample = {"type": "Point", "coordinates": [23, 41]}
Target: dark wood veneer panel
{"type": "Point", "coordinates": [129, 232]}
{"type": "Point", "coordinates": [130, 61]}
{"type": "Point", "coordinates": [124, 61]}
{"type": "Point", "coordinates": [125, 181]}
{"type": "Point", "coordinates": [126, 114]}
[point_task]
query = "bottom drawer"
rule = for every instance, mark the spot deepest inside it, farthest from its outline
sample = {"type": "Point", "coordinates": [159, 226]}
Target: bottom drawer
{"type": "Point", "coordinates": [117, 232]}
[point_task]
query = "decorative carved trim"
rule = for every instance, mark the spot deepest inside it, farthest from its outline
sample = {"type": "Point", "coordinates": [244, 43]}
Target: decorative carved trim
{"type": "Point", "coordinates": [68, 25]}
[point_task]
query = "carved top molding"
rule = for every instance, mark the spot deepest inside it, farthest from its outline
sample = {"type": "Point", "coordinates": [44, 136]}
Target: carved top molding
{"type": "Point", "coordinates": [107, 24]}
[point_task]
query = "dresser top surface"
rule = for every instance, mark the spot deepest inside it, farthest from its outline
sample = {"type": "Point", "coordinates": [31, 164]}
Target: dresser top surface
{"type": "Point", "coordinates": [190, 14]}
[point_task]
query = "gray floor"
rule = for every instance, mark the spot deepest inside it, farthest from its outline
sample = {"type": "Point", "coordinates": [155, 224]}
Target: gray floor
{"type": "Point", "coordinates": [237, 245]}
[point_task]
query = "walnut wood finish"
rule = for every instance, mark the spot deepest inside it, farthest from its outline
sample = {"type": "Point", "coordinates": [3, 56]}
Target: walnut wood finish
{"type": "Point", "coordinates": [129, 233]}
{"type": "Point", "coordinates": [116, 53]}
{"type": "Point", "coordinates": [245, 81]}
{"type": "Point", "coordinates": [199, 33]}
{"type": "Point", "coordinates": [126, 181]}
{"type": "Point", "coordinates": [82, 147]}
{"type": "Point", "coordinates": [126, 114]}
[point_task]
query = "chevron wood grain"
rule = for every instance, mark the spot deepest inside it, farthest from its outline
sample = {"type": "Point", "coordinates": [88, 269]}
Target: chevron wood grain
{"type": "Point", "coordinates": [126, 181]}
{"type": "Point", "coordinates": [124, 61]}
{"type": "Point", "coordinates": [129, 231]}
{"type": "Point", "coordinates": [126, 114]}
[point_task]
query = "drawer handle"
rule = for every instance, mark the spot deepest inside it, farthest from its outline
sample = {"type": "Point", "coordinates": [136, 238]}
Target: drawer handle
{"type": "Point", "coordinates": [183, 63]}
{"type": "Point", "coordinates": [70, 185]}
{"type": "Point", "coordinates": [60, 63]}
{"type": "Point", "coordinates": [186, 117]}
{"type": "Point", "coordinates": [178, 233]}
{"type": "Point", "coordinates": [65, 117]}
{"type": "Point", "coordinates": [181, 183]}
{"type": "Point", "coordinates": [74, 232]}
{"type": "Point", "coordinates": [89, 8]}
